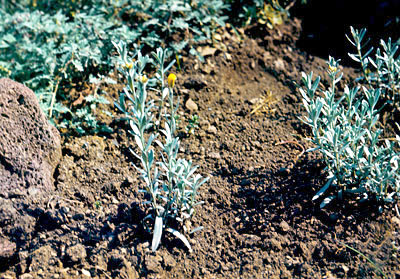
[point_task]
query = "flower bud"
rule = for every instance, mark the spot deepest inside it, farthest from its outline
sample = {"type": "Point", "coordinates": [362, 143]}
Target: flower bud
{"type": "Point", "coordinates": [171, 80]}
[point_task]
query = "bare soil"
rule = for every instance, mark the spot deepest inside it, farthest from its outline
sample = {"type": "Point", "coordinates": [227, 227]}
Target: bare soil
{"type": "Point", "coordinates": [258, 217]}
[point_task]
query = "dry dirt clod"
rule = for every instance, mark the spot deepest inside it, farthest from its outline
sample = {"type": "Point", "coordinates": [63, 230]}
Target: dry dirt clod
{"type": "Point", "coordinates": [284, 226]}
{"type": "Point", "coordinates": [76, 253]}
{"type": "Point", "coordinates": [7, 249]}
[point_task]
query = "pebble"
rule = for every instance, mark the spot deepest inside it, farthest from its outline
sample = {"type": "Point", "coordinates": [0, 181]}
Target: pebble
{"type": "Point", "coordinates": [279, 64]}
{"type": "Point", "coordinates": [214, 155]}
{"type": "Point", "coordinates": [212, 130]}
{"type": "Point", "coordinates": [284, 226]}
{"type": "Point", "coordinates": [86, 273]}
{"type": "Point", "coordinates": [190, 105]}
{"type": "Point", "coordinates": [345, 268]}
{"type": "Point", "coordinates": [396, 220]}
{"type": "Point", "coordinates": [114, 200]}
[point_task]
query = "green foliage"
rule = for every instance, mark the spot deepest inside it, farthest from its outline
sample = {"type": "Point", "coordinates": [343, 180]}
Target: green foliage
{"type": "Point", "coordinates": [193, 124]}
{"type": "Point", "coordinates": [170, 184]}
{"type": "Point", "coordinates": [54, 45]}
{"type": "Point", "coordinates": [268, 12]}
{"type": "Point", "coordinates": [50, 53]}
{"type": "Point", "coordinates": [381, 70]}
{"type": "Point", "coordinates": [84, 120]}
{"type": "Point", "coordinates": [344, 130]}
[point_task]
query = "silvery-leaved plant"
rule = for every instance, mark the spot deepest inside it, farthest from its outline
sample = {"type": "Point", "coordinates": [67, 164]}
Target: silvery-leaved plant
{"type": "Point", "coordinates": [359, 163]}
{"type": "Point", "coordinates": [381, 70]}
{"type": "Point", "coordinates": [170, 184]}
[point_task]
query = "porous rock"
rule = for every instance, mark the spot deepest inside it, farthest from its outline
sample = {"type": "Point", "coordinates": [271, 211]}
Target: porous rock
{"type": "Point", "coordinates": [30, 150]}
{"type": "Point", "coordinates": [30, 147]}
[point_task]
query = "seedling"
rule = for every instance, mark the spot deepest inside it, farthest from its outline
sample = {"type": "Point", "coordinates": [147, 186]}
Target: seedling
{"type": "Point", "coordinates": [193, 124]}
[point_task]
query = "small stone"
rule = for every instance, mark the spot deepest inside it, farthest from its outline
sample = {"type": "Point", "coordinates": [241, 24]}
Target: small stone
{"type": "Point", "coordinates": [212, 130]}
{"type": "Point", "coordinates": [114, 200]}
{"type": "Point", "coordinates": [86, 273]}
{"type": "Point", "coordinates": [284, 226]}
{"type": "Point", "coordinates": [7, 248]}
{"type": "Point", "coordinates": [206, 51]}
{"type": "Point", "coordinates": [43, 259]}
{"type": "Point", "coordinates": [396, 220]}
{"type": "Point", "coordinates": [26, 276]}
{"type": "Point", "coordinates": [345, 268]}
{"type": "Point", "coordinates": [214, 155]}
{"type": "Point", "coordinates": [279, 64]}
{"type": "Point", "coordinates": [190, 105]}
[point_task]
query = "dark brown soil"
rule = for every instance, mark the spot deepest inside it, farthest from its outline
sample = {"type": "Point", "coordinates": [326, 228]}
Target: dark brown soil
{"type": "Point", "coordinates": [258, 217]}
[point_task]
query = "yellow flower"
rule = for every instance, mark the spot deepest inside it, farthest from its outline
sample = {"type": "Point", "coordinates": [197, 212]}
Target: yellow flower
{"type": "Point", "coordinates": [332, 69]}
{"type": "Point", "coordinates": [143, 79]}
{"type": "Point", "coordinates": [129, 65]}
{"type": "Point", "coordinates": [171, 80]}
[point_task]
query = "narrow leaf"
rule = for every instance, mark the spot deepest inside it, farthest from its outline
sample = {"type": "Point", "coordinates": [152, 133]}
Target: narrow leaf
{"type": "Point", "coordinates": [323, 189]}
{"type": "Point", "coordinates": [196, 229]}
{"type": "Point", "coordinates": [158, 224]}
{"type": "Point", "coordinates": [327, 201]}
{"type": "Point", "coordinates": [181, 237]}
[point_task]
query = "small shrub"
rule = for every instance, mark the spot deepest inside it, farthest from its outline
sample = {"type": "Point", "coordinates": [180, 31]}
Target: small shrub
{"type": "Point", "coordinates": [170, 184]}
{"type": "Point", "coordinates": [359, 163]}
{"type": "Point", "coordinates": [381, 70]}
